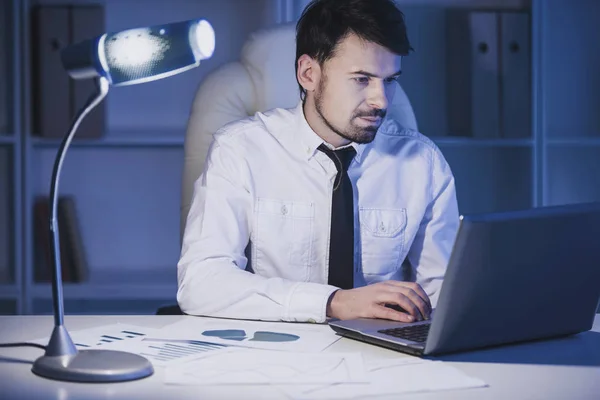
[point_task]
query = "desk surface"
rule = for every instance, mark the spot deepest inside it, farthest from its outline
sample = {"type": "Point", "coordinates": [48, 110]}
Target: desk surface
{"type": "Point", "coordinates": [566, 368]}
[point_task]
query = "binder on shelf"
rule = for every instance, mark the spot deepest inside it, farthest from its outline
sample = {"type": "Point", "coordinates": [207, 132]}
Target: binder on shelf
{"type": "Point", "coordinates": [485, 84]}
{"type": "Point", "coordinates": [87, 22]}
{"type": "Point", "coordinates": [57, 97]}
{"type": "Point", "coordinates": [6, 218]}
{"type": "Point", "coordinates": [488, 73]}
{"type": "Point", "coordinates": [4, 79]}
{"type": "Point", "coordinates": [515, 80]}
{"type": "Point", "coordinates": [72, 253]}
{"type": "Point", "coordinates": [51, 113]}
{"type": "Point", "coordinates": [72, 236]}
{"type": "Point", "coordinates": [473, 84]}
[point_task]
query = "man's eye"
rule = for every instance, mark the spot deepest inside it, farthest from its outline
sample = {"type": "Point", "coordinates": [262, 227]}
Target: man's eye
{"type": "Point", "coordinates": [390, 80]}
{"type": "Point", "coordinates": [362, 80]}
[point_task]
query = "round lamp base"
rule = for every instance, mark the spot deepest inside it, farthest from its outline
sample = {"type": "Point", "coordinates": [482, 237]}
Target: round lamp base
{"type": "Point", "coordinates": [94, 366]}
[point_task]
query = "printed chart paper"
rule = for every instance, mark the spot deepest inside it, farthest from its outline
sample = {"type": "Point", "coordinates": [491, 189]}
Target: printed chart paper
{"type": "Point", "coordinates": [255, 367]}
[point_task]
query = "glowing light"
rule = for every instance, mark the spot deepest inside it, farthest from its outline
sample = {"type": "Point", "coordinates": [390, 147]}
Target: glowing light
{"type": "Point", "coordinates": [134, 48]}
{"type": "Point", "coordinates": [205, 39]}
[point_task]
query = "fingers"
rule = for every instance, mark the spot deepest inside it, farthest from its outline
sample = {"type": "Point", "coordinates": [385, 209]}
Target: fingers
{"type": "Point", "coordinates": [407, 299]}
{"type": "Point", "coordinates": [415, 287]}
{"type": "Point", "coordinates": [411, 304]}
{"type": "Point", "coordinates": [370, 301]}
{"type": "Point", "coordinates": [421, 305]}
{"type": "Point", "coordinates": [382, 312]}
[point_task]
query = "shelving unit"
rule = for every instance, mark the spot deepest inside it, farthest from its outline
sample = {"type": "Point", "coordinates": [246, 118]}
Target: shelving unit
{"type": "Point", "coordinates": [107, 292]}
{"type": "Point", "coordinates": [9, 299]}
{"type": "Point", "coordinates": [7, 140]}
{"type": "Point", "coordinates": [475, 143]}
{"type": "Point", "coordinates": [11, 291]}
{"type": "Point", "coordinates": [128, 138]}
{"type": "Point", "coordinates": [6, 207]}
{"type": "Point", "coordinates": [568, 166]}
{"type": "Point", "coordinates": [574, 142]}
{"type": "Point", "coordinates": [127, 183]}
{"type": "Point", "coordinates": [495, 184]}
{"type": "Point", "coordinates": [485, 181]}
{"type": "Point", "coordinates": [569, 102]}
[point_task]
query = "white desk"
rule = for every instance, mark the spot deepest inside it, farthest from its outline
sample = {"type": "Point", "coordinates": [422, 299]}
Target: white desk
{"type": "Point", "coordinates": [567, 368]}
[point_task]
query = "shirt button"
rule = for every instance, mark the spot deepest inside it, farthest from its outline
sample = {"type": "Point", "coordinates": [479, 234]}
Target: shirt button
{"type": "Point", "coordinates": [382, 227]}
{"type": "Point", "coordinates": [284, 210]}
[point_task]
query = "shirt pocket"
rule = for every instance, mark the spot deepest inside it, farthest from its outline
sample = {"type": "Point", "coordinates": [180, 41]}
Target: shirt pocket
{"type": "Point", "coordinates": [284, 237]}
{"type": "Point", "coordinates": [382, 233]}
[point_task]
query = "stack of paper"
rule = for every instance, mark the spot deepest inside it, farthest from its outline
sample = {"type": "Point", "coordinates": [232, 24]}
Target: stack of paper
{"type": "Point", "coordinates": [268, 367]}
{"type": "Point", "coordinates": [392, 377]}
{"type": "Point", "coordinates": [296, 369]}
{"type": "Point", "coordinates": [198, 351]}
{"type": "Point", "coordinates": [310, 376]}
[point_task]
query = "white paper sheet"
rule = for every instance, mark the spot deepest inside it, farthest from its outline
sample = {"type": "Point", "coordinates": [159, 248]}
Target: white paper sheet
{"type": "Point", "coordinates": [255, 367]}
{"type": "Point", "coordinates": [312, 338]}
{"type": "Point", "coordinates": [163, 353]}
{"type": "Point", "coordinates": [135, 339]}
{"type": "Point", "coordinates": [102, 336]}
{"type": "Point", "coordinates": [392, 377]}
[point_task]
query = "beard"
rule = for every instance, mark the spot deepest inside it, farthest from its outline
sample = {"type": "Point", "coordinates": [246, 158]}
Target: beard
{"type": "Point", "coordinates": [352, 132]}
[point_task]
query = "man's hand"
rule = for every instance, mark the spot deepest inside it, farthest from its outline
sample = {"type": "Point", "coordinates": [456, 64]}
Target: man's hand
{"type": "Point", "coordinates": [370, 302]}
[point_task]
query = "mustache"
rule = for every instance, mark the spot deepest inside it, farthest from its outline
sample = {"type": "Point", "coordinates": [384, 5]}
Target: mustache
{"type": "Point", "coordinates": [376, 112]}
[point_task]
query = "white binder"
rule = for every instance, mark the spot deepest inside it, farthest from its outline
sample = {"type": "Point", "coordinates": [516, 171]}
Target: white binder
{"type": "Point", "coordinates": [515, 107]}
{"type": "Point", "coordinates": [488, 73]}
{"type": "Point", "coordinates": [4, 59]}
{"type": "Point", "coordinates": [485, 84]}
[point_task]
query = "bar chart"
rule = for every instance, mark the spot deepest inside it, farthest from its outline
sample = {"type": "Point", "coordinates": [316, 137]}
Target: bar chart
{"type": "Point", "coordinates": [146, 342]}
{"type": "Point", "coordinates": [111, 337]}
{"type": "Point", "coordinates": [164, 351]}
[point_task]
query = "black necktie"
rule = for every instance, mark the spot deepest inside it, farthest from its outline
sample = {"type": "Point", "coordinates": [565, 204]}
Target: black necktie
{"type": "Point", "coordinates": [341, 243]}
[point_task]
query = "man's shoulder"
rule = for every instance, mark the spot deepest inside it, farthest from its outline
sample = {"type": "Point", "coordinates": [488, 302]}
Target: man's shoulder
{"type": "Point", "coordinates": [392, 134]}
{"type": "Point", "coordinates": [254, 126]}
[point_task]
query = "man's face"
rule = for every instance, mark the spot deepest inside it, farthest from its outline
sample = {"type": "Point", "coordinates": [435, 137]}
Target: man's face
{"type": "Point", "coordinates": [355, 88]}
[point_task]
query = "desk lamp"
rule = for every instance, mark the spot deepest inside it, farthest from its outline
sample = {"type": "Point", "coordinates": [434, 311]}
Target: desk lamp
{"type": "Point", "coordinates": [112, 59]}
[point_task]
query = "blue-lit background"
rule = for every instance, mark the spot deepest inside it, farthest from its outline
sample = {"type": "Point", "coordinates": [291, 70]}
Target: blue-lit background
{"type": "Point", "coordinates": [127, 184]}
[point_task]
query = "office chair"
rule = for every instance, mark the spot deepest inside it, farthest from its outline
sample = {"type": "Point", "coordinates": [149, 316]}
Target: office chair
{"type": "Point", "coordinates": [263, 78]}
{"type": "Point", "coordinates": [171, 309]}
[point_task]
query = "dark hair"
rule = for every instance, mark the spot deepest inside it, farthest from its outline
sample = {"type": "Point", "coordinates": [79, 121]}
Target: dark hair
{"type": "Point", "coordinates": [324, 23]}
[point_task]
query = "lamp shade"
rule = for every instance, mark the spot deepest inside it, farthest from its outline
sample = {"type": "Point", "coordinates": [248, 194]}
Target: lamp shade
{"type": "Point", "coordinates": [141, 54]}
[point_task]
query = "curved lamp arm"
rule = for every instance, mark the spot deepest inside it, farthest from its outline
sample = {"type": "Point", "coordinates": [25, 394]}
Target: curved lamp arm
{"type": "Point", "coordinates": [61, 343]}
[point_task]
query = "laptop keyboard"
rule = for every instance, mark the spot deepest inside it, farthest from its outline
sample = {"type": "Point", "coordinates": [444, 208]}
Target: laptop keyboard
{"type": "Point", "coordinates": [416, 333]}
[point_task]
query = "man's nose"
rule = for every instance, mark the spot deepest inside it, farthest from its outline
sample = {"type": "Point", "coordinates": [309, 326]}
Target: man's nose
{"type": "Point", "coordinates": [377, 96]}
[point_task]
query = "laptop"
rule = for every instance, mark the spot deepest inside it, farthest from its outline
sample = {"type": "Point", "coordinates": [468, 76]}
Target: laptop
{"type": "Point", "coordinates": [512, 277]}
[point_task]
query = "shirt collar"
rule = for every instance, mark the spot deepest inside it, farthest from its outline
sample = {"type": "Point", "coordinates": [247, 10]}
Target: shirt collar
{"type": "Point", "coordinates": [310, 141]}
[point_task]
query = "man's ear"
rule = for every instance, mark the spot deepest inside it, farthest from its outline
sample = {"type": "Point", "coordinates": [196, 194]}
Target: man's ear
{"type": "Point", "coordinates": [309, 73]}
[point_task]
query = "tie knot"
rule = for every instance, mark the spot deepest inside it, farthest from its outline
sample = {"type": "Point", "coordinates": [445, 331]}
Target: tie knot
{"type": "Point", "coordinates": [341, 157]}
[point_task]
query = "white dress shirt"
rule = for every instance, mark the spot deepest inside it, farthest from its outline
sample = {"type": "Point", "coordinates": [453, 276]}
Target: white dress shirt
{"type": "Point", "coordinates": [256, 241]}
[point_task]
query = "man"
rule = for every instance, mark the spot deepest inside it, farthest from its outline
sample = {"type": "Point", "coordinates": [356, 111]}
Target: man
{"type": "Point", "coordinates": [282, 227]}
